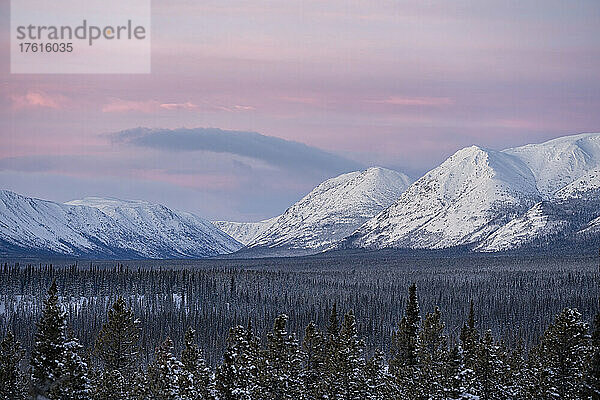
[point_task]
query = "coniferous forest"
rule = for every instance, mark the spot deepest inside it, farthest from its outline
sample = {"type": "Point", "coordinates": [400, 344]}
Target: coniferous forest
{"type": "Point", "coordinates": [391, 329]}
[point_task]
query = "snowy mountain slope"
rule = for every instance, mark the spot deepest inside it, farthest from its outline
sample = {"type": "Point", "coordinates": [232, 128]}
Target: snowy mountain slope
{"type": "Point", "coordinates": [558, 162]}
{"type": "Point", "coordinates": [586, 187]}
{"type": "Point", "coordinates": [592, 227]}
{"type": "Point", "coordinates": [163, 232]}
{"type": "Point", "coordinates": [461, 202]}
{"type": "Point", "coordinates": [543, 220]}
{"type": "Point", "coordinates": [244, 232]}
{"type": "Point", "coordinates": [111, 229]}
{"type": "Point", "coordinates": [476, 192]}
{"type": "Point", "coordinates": [333, 210]}
{"type": "Point", "coordinates": [47, 226]}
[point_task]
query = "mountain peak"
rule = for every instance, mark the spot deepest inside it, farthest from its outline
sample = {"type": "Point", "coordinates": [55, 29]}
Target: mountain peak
{"type": "Point", "coordinates": [560, 161]}
{"type": "Point", "coordinates": [453, 204]}
{"type": "Point", "coordinates": [333, 210]}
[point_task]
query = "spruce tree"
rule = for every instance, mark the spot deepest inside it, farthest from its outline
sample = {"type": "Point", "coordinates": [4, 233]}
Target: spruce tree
{"type": "Point", "coordinates": [111, 385]}
{"type": "Point", "coordinates": [518, 371]}
{"type": "Point", "coordinates": [315, 365]}
{"type": "Point", "coordinates": [379, 384]}
{"type": "Point", "coordinates": [202, 386]}
{"type": "Point", "coordinates": [330, 381]}
{"type": "Point", "coordinates": [237, 376]}
{"type": "Point", "coordinates": [281, 373]}
{"type": "Point", "coordinates": [593, 376]}
{"type": "Point", "coordinates": [469, 339]}
{"type": "Point", "coordinates": [167, 379]}
{"type": "Point", "coordinates": [48, 353]}
{"type": "Point", "coordinates": [74, 383]}
{"type": "Point", "coordinates": [453, 380]}
{"type": "Point", "coordinates": [560, 359]}
{"type": "Point", "coordinates": [490, 369]}
{"type": "Point", "coordinates": [404, 344]}
{"type": "Point", "coordinates": [139, 389]}
{"type": "Point", "coordinates": [13, 385]}
{"type": "Point", "coordinates": [117, 343]}
{"type": "Point", "coordinates": [351, 374]}
{"type": "Point", "coordinates": [117, 351]}
{"type": "Point", "coordinates": [432, 351]}
{"type": "Point", "coordinates": [333, 325]}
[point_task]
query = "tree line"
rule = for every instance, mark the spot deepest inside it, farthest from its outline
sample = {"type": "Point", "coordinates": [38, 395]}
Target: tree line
{"type": "Point", "coordinates": [514, 297]}
{"type": "Point", "coordinates": [326, 364]}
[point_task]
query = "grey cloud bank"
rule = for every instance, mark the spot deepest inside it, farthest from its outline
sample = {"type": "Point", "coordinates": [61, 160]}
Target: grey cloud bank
{"type": "Point", "coordinates": [277, 152]}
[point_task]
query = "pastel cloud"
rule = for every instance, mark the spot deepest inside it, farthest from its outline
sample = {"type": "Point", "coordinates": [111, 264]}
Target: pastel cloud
{"type": "Point", "coordinates": [179, 106]}
{"type": "Point", "coordinates": [38, 99]}
{"type": "Point", "coordinates": [117, 105]}
{"type": "Point", "coordinates": [123, 106]}
{"type": "Point", "coordinates": [414, 101]}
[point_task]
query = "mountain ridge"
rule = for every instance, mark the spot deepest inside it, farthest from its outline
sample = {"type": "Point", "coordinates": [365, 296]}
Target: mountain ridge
{"type": "Point", "coordinates": [77, 229]}
{"type": "Point", "coordinates": [500, 191]}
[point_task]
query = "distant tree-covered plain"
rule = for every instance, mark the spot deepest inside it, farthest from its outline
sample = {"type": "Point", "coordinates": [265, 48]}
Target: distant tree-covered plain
{"type": "Point", "coordinates": [516, 297]}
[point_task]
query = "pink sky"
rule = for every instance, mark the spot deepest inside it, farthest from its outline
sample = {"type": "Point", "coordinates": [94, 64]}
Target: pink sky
{"type": "Point", "coordinates": [401, 84]}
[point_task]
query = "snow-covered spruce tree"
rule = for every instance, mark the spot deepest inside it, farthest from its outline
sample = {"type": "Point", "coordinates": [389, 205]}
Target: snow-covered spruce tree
{"type": "Point", "coordinates": [378, 381]}
{"type": "Point", "coordinates": [351, 378]}
{"type": "Point", "coordinates": [403, 363]}
{"type": "Point", "coordinates": [330, 378]}
{"type": "Point", "coordinates": [13, 385]}
{"type": "Point", "coordinates": [280, 374]}
{"type": "Point", "coordinates": [490, 369]}
{"type": "Point", "coordinates": [469, 340]}
{"type": "Point", "coordinates": [236, 377]}
{"type": "Point", "coordinates": [432, 353]}
{"type": "Point", "coordinates": [202, 386]}
{"type": "Point", "coordinates": [593, 375]}
{"type": "Point", "coordinates": [48, 353]}
{"type": "Point", "coordinates": [315, 362]}
{"type": "Point", "coordinates": [117, 351]}
{"type": "Point", "coordinates": [139, 389]}
{"type": "Point", "coordinates": [515, 373]}
{"type": "Point", "coordinates": [167, 379]}
{"type": "Point", "coordinates": [73, 383]}
{"type": "Point", "coordinates": [454, 370]}
{"type": "Point", "coordinates": [559, 361]}
{"type": "Point", "coordinates": [110, 385]}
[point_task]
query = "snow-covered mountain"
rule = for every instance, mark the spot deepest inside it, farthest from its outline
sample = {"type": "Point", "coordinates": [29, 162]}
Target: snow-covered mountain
{"type": "Point", "coordinates": [244, 232]}
{"type": "Point", "coordinates": [542, 221]}
{"type": "Point", "coordinates": [494, 200]}
{"type": "Point", "coordinates": [585, 187]}
{"type": "Point", "coordinates": [558, 162]}
{"type": "Point", "coordinates": [462, 201]}
{"type": "Point", "coordinates": [478, 200]}
{"type": "Point", "coordinates": [98, 227]}
{"type": "Point", "coordinates": [332, 211]}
